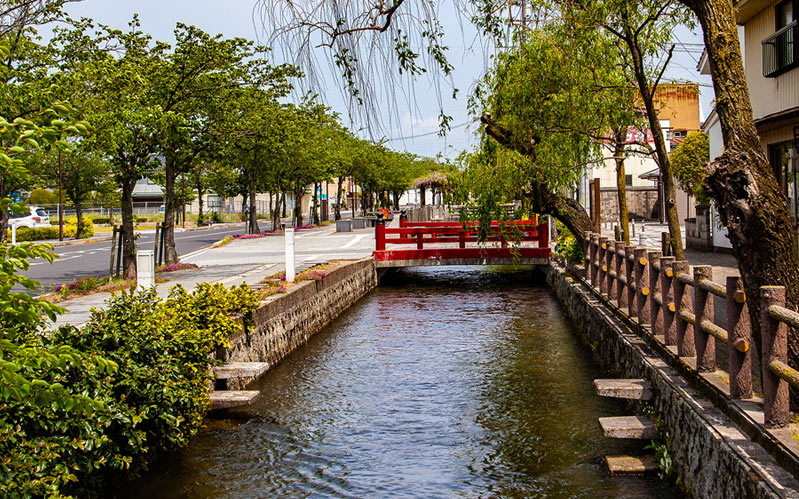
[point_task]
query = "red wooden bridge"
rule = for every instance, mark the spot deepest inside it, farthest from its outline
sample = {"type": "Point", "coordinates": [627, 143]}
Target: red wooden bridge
{"type": "Point", "coordinates": [455, 243]}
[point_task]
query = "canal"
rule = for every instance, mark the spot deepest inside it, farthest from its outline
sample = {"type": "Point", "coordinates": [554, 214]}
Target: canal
{"type": "Point", "coordinates": [445, 382]}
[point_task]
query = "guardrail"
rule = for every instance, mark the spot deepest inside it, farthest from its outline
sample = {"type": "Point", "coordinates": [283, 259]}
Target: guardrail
{"type": "Point", "coordinates": [665, 295]}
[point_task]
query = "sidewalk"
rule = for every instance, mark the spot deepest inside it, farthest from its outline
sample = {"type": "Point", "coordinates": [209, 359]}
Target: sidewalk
{"type": "Point", "coordinates": [243, 260]}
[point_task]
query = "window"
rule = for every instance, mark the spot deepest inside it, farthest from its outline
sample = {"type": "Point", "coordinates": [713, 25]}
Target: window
{"type": "Point", "coordinates": [628, 180]}
{"type": "Point", "coordinates": [780, 50]}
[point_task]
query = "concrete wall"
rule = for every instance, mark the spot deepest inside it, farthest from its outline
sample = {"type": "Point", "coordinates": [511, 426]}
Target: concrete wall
{"type": "Point", "coordinates": [713, 456]}
{"type": "Point", "coordinates": [641, 203]}
{"type": "Point", "coordinates": [284, 322]}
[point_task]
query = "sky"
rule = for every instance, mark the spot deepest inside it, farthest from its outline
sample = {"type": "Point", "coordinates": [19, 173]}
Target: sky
{"type": "Point", "coordinates": [416, 127]}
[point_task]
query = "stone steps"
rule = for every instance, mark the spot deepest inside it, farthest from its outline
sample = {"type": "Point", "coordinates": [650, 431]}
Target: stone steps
{"type": "Point", "coordinates": [241, 370]}
{"type": "Point", "coordinates": [632, 389]}
{"type": "Point", "coordinates": [228, 399]}
{"type": "Point", "coordinates": [628, 427]}
{"type": "Point", "coordinates": [631, 465]}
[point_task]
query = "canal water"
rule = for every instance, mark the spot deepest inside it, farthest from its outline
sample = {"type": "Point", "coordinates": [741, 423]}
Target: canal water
{"type": "Point", "coordinates": [450, 382]}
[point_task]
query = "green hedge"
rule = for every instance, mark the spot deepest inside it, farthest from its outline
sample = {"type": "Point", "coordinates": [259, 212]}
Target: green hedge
{"type": "Point", "coordinates": [81, 411]}
{"type": "Point", "coordinates": [44, 233]}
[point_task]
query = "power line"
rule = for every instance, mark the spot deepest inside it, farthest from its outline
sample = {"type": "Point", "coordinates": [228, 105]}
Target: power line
{"type": "Point", "coordinates": [428, 133]}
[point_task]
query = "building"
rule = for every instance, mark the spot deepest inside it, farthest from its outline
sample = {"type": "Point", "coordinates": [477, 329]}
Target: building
{"type": "Point", "coordinates": [678, 114]}
{"type": "Point", "coordinates": [769, 31]}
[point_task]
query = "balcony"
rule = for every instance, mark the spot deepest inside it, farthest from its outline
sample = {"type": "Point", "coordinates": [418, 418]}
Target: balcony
{"type": "Point", "coordinates": [781, 51]}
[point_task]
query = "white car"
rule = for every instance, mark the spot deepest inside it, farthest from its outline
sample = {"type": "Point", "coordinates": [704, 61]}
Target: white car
{"type": "Point", "coordinates": [34, 219]}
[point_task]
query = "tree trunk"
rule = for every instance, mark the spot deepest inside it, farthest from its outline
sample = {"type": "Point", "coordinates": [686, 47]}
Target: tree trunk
{"type": "Point", "coordinates": [170, 175]}
{"type": "Point", "coordinates": [128, 236]}
{"type": "Point", "coordinates": [397, 196]}
{"type": "Point", "coordinates": [339, 192]}
{"type": "Point", "coordinates": [79, 213]}
{"type": "Point", "coordinates": [619, 138]}
{"type": "Point", "coordinates": [648, 97]}
{"type": "Point", "coordinates": [421, 195]}
{"type": "Point", "coordinates": [315, 203]}
{"type": "Point", "coordinates": [200, 194]}
{"type": "Point", "coordinates": [741, 181]}
{"type": "Point", "coordinates": [298, 205]}
{"type": "Point", "coordinates": [254, 229]}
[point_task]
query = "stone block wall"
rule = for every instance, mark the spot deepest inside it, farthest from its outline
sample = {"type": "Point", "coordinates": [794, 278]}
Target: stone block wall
{"type": "Point", "coordinates": [283, 322]}
{"type": "Point", "coordinates": [713, 456]}
{"type": "Point", "coordinates": [698, 235]}
{"type": "Point", "coordinates": [641, 203]}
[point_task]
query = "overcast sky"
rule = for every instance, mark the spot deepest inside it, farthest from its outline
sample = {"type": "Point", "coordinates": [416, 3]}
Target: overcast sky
{"type": "Point", "coordinates": [237, 18]}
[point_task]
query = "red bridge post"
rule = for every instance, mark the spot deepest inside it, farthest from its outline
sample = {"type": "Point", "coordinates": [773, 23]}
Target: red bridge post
{"type": "Point", "coordinates": [380, 233]}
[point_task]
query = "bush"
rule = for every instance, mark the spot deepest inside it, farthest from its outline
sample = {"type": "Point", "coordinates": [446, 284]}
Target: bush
{"type": "Point", "coordinates": [82, 410]}
{"type": "Point", "coordinates": [44, 233]}
{"type": "Point", "coordinates": [216, 217]}
{"type": "Point", "coordinates": [102, 220]}
{"type": "Point", "coordinates": [568, 246]}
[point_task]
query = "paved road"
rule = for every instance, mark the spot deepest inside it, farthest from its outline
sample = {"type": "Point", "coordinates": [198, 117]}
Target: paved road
{"type": "Point", "coordinates": [76, 262]}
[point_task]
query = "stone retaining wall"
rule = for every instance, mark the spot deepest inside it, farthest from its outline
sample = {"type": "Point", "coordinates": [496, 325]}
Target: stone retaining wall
{"type": "Point", "coordinates": [711, 454]}
{"type": "Point", "coordinates": [283, 322]}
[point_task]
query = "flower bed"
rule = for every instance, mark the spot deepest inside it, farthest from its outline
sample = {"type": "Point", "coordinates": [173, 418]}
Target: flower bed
{"type": "Point", "coordinates": [177, 266]}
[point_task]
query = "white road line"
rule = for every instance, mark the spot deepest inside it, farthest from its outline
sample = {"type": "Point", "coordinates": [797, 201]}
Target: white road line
{"type": "Point", "coordinates": [312, 257]}
{"type": "Point", "coordinates": [354, 241]}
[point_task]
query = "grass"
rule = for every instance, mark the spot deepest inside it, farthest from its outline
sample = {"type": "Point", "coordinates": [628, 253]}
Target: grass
{"type": "Point", "coordinates": [88, 286]}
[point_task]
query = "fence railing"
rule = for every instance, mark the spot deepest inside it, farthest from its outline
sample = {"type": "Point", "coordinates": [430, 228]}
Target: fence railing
{"type": "Point", "coordinates": [678, 304]}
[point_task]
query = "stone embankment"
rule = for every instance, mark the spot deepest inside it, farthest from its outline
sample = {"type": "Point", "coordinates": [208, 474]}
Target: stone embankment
{"type": "Point", "coordinates": [284, 322]}
{"type": "Point", "coordinates": [713, 456]}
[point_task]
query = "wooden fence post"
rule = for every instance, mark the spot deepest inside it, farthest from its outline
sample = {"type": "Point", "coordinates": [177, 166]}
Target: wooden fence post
{"type": "Point", "coordinates": [703, 308]}
{"type": "Point", "coordinates": [739, 339]}
{"type": "Point", "coordinates": [621, 281]}
{"type": "Point", "coordinates": [643, 293]}
{"type": "Point", "coordinates": [629, 275]}
{"type": "Point", "coordinates": [682, 300]}
{"type": "Point", "coordinates": [655, 310]}
{"type": "Point", "coordinates": [587, 255]}
{"type": "Point", "coordinates": [775, 347]}
{"type": "Point", "coordinates": [593, 246]}
{"type": "Point", "coordinates": [667, 296]}
{"type": "Point", "coordinates": [602, 264]}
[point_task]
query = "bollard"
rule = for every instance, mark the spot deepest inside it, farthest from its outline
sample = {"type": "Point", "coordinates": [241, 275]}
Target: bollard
{"type": "Point", "coordinates": [739, 339]}
{"type": "Point", "coordinates": [403, 218]}
{"type": "Point", "coordinates": [620, 281]}
{"type": "Point", "coordinates": [642, 238]}
{"type": "Point", "coordinates": [775, 347]}
{"type": "Point", "coordinates": [655, 310]}
{"type": "Point", "coordinates": [669, 329]}
{"type": "Point", "coordinates": [682, 300]}
{"type": "Point", "coordinates": [145, 269]}
{"type": "Point", "coordinates": [290, 272]}
{"type": "Point", "coordinates": [380, 232]}
{"type": "Point", "coordinates": [703, 309]}
{"type": "Point", "coordinates": [603, 265]}
{"type": "Point", "coordinates": [13, 235]}
{"type": "Point", "coordinates": [629, 276]}
{"type": "Point", "coordinates": [642, 292]}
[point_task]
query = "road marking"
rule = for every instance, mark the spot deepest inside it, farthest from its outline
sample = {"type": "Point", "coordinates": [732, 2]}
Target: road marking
{"type": "Point", "coordinates": [312, 257]}
{"type": "Point", "coordinates": [354, 241]}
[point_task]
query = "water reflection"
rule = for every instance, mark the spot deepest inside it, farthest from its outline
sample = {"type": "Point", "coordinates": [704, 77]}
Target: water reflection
{"type": "Point", "coordinates": [450, 382]}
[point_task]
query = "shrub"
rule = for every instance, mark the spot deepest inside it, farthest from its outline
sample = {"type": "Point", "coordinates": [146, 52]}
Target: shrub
{"type": "Point", "coordinates": [568, 246]}
{"type": "Point", "coordinates": [102, 220]}
{"type": "Point", "coordinates": [44, 233]}
{"type": "Point", "coordinates": [216, 217]}
{"type": "Point", "coordinates": [82, 409]}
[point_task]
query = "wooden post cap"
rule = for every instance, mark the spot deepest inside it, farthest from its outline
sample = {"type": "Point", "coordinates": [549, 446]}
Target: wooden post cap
{"type": "Point", "coordinates": [642, 261]}
{"type": "Point", "coordinates": [742, 345]}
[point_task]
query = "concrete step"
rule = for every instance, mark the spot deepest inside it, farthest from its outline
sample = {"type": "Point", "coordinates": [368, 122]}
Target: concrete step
{"type": "Point", "coordinates": [241, 370]}
{"type": "Point", "coordinates": [633, 389]}
{"type": "Point", "coordinates": [628, 427]}
{"type": "Point", "coordinates": [227, 399]}
{"type": "Point", "coordinates": [631, 465]}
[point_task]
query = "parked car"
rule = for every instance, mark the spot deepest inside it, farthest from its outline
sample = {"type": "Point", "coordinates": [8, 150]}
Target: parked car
{"type": "Point", "coordinates": [34, 219]}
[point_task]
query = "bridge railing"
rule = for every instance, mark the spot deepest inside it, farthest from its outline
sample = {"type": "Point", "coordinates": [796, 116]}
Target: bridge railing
{"type": "Point", "coordinates": [665, 295]}
{"type": "Point", "coordinates": [424, 234]}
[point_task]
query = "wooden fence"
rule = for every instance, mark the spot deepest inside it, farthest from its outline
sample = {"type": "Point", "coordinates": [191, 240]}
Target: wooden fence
{"type": "Point", "coordinates": [678, 304]}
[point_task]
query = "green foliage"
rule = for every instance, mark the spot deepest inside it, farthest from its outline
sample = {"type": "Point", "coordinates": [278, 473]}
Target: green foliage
{"type": "Point", "coordinates": [688, 161]}
{"type": "Point", "coordinates": [43, 196]}
{"type": "Point", "coordinates": [80, 409]}
{"type": "Point", "coordinates": [46, 233]}
{"type": "Point", "coordinates": [568, 246]}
